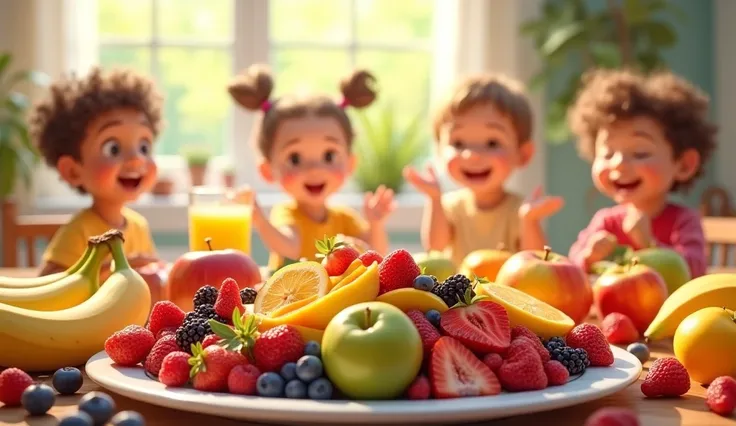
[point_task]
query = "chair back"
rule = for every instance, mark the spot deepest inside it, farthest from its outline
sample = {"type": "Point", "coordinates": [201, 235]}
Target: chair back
{"type": "Point", "coordinates": [719, 227]}
{"type": "Point", "coordinates": [25, 230]}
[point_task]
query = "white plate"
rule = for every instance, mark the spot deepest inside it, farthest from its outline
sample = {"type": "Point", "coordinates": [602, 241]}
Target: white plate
{"type": "Point", "coordinates": [595, 383]}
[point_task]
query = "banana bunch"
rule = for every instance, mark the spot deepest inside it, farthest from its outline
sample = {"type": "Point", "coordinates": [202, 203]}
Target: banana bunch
{"type": "Point", "coordinates": [11, 282]}
{"type": "Point", "coordinates": [35, 340]}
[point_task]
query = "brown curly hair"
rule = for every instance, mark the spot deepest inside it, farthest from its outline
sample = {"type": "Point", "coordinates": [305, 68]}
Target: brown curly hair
{"type": "Point", "coordinates": [58, 124]}
{"type": "Point", "coordinates": [677, 105]}
{"type": "Point", "coordinates": [504, 93]}
{"type": "Point", "coordinates": [253, 88]}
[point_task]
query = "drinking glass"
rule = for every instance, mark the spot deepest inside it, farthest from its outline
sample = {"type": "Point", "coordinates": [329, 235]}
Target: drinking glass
{"type": "Point", "coordinates": [215, 218]}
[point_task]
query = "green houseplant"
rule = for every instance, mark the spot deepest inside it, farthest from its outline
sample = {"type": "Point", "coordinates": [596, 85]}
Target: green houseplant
{"type": "Point", "coordinates": [197, 160]}
{"type": "Point", "coordinates": [571, 36]}
{"type": "Point", "coordinates": [18, 155]}
{"type": "Point", "coordinates": [384, 147]}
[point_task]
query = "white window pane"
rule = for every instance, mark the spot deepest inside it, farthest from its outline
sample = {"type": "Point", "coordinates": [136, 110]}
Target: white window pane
{"type": "Point", "coordinates": [195, 20]}
{"type": "Point", "coordinates": [196, 105]}
{"type": "Point", "coordinates": [309, 70]}
{"type": "Point", "coordinates": [393, 21]}
{"type": "Point", "coordinates": [309, 20]}
{"type": "Point", "coordinates": [138, 58]}
{"type": "Point", "coordinates": [124, 18]}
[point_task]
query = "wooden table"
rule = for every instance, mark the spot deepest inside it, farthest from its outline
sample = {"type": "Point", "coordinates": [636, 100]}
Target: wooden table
{"type": "Point", "coordinates": [687, 410]}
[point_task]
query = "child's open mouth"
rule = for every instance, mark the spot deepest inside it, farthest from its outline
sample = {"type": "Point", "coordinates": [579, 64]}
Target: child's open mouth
{"type": "Point", "coordinates": [627, 186]}
{"type": "Point", "coordinates": [315, 189]}
{"type": "Point", "coordinates": [477, 176]}
{"type": "Point", "coordinates": [130, 181]}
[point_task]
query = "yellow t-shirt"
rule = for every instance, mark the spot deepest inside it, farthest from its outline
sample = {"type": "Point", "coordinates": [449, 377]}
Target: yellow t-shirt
{"type": "Point", "coordinates": [475, 229]}
{"type": "Point", "coordinates": [70, 241]}
{"type": "Point", "coordinates": [340, 220]}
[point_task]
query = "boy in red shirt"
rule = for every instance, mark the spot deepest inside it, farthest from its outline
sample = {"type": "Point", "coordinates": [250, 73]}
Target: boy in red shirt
{"type": "Point", "coordinates": [647, 136]}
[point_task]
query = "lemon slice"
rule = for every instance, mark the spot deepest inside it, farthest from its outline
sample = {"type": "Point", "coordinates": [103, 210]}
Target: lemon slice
{"type": "Point", "coordinates": [543, 319]}
{"type": "Point", "coordinates": [291, 284]}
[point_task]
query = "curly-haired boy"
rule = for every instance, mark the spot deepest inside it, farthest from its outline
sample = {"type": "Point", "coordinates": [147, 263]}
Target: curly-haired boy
{"type": "Point", "coordinates": [647, 136]}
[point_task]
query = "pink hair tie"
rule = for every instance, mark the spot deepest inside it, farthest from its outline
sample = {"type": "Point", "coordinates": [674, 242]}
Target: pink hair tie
{"type": "Point", "coordinates": [344, 103]}
{"type": "Point", "coordinates": [266, 105]}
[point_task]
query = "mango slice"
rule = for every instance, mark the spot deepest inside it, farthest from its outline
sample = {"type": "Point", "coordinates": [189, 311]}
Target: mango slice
{"type": "Point", "coordinates": [407, 299]}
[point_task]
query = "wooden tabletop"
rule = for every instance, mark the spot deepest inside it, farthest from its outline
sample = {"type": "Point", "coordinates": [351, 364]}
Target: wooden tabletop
{"type": "Point", "coordinates": [687, 410]}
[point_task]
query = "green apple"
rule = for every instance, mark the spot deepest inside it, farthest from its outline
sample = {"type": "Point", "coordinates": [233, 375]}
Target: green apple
{"type": "Point", "coordinates": [669, 263]}
{"type": "Point", "coordinates": [371, 351]}
{"type": "Point", "coordinates": [435, 263]}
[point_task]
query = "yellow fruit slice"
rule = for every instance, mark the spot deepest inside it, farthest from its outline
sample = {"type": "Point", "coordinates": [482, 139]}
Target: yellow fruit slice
{"type": "Point", "coordinates": [353, 266]}
{"type": "Point", "coordinates": [350, 278]}
{"type": "Point", "coordinates": [292, 306]}
{"type": "Point", "coordinates": [544, 320]}
{"type": "Point", "coordinates": [290, 284]}
{"type": "Point", "coordinates": [407, 299]}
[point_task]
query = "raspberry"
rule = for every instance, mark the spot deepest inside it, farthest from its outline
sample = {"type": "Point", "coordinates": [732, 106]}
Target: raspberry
{"type": "Point", "coordinates": [165, 332]}
{"type": "Point", "coordinates": [162, 348]}
{"type": "Point", "coordinates": [493, 361]}
{"type": "Point", "coordinates": [164, 314]}
{"type": "Point", "coordinates": [228, 299]}
{"type": "Point", "coordinates": [129, 346]}
{"type": "Point", "coordinates": [13, 381]}
{"type": "Point", "coordinates": [428, 333]}
{"type": "Point", "coordinates": [557, 373]}
{"type": "Point", "coordinates": [210, 339]}
{"type": "Point", "coordinates": [666, 377]}
{"type": "Point", "coordinates": [523, 369]}
{"type": "Point", "coordinates": [619, 329]}
{"type": "Point", "coordinates": [242, 379]}
{"type": "Point", "coordinates": [612, 416]}
{"type": "Point", "coordinates": [591, 338]}
{"type": "Point", "coordinates": [536, 343]}
{"type": "Point", "coordinates": [175, 369]}
{"type": "Point", "coordinates": [721, 395]}
{"type": "Point", "coordinates": [369, 257]}
{"type": "Point", "coordinates": [419, 388]}
{"type": "Point", "coordinates": [277, 346]}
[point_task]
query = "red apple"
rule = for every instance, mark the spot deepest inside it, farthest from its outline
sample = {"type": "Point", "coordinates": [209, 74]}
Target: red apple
{"type": "Point", "coordinates": [198, 268]}
{"type": "Point", "coordinates": [634, 290]}
{"type": "Point", "coordinates": [551, 278]}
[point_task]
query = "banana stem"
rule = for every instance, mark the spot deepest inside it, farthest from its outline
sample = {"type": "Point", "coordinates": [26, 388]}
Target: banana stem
{"type": "Point", "coordinates": [82, 260]}
{"type": "Point", "coordinates": [115, 245]}
{"type": "Point", "coordinates": [91, 268]}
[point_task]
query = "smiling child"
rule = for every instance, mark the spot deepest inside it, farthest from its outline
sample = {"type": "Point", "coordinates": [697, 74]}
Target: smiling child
{"type": "Point", "coordinates": [647, 136]}
{"type": "Point", "coordinates": [98, 132]}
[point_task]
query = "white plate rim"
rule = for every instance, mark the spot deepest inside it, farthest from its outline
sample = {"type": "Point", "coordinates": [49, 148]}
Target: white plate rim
{"type": "Point", "coordinates": [595, 383]}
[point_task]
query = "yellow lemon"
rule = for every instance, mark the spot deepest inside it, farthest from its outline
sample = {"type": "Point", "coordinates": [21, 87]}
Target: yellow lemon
{"type": "Point", "coordinates": [705, 343]}
{"type": "Point", "coordinates": [291, 284]}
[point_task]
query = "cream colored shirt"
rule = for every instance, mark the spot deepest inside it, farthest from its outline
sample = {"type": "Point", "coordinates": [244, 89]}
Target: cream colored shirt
{"type": "Point", "coordinates": [475, 229]}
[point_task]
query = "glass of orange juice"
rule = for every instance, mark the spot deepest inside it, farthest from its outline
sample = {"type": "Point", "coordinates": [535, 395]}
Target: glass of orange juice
{"type": "Point", "coordinates": [214, 216]}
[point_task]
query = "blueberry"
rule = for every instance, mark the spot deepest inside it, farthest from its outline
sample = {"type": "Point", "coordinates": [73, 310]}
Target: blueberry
{"type": "Point", "coordinates": [79, 418]}
{"type": "Point", "coordinates": [288, 371]}
{"type": "Point", "coordinates": [312, 348]}
{"type": "Point", "coordinates": [128, 418]}
{"type": "Point", "coordinates": [639, 350]}
{"type": "Point", "coordinates": [38, 399]}
{"type": "Point", "coordinates": [433, 316]}
{"type": "Point", "coordinates": [424, 283]}
{"type": "Point", "coordinates": [67, 380]}
{"type": "Point", "coordinates": [98, 405]}
{"type": "Point", "coordinates": [296, 389]}
{"type": "Point", "coordinates": [270, 385]}
{"type": "Point", "coordinates": [320, 389]}
{"type": "Point", "coordinates": [309, 368]}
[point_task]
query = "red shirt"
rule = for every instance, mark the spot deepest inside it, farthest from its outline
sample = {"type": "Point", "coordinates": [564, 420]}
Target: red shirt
{"type": "Point", "coordinates": [677, 227]}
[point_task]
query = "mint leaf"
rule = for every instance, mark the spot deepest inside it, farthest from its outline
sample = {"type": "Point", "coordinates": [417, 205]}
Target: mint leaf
{"type": "Point", "coordinates": [222, 330]}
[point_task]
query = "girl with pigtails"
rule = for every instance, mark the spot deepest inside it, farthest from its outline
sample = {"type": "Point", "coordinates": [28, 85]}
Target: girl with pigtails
{"type": "Point", "coordinates": [305, 146]}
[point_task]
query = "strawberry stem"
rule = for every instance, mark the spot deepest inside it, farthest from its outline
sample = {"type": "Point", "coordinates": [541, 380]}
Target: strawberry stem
{"type": "Point", "coordinates": [547, 250]}
{"type": "Point", "coordinates": [208, 240]}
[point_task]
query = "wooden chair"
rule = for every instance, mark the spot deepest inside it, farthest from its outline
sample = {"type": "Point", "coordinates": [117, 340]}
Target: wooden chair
{"type": "Point", "coordinates": [719, 226]}
{"type": "Point", "coordinates": [716, 201]}
{"type": "Point", "coordinates": [27, 229]}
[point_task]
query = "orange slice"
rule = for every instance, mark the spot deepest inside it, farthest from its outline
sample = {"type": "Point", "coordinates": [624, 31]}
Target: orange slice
{"type": "Point", "coordinates": [291, 284]}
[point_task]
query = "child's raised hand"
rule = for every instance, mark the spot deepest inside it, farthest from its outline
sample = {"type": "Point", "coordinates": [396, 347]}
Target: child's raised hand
{"type": "Point", "coordinates": [379, 204]}
{"type": "Point", "coordinates": [539, 206]}
{"type": "Point", "coordinates": [243, 195]}
{"type": "Point", "coordinates": [600, 245]}
{"type": "Point", "coordinates": [638, 226]}
{"type": "Point", "coordinates": [426, 183]}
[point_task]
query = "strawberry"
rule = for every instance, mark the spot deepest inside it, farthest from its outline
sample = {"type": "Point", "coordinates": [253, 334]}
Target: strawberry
{"type": "Point", "coordinates": [419, 388]}
{"type": "Point", "coordinates": [493, 361]}
{"type": "Point", "coordinates": [369, 257]}
{"type": "Point", "coordinates": [522, 370]}
{"type": "Point", "coordinates": [277, 346]}
{"type": "Point", "coordinates": [455, 372]}
{"type": "Point", "coordinates": [591, 338]}
{"type": "Point", "coordinates": [242, 379]}
{"type": "Point", "coordinates": [481, 325]}
{"type": "Point", "coordinates": [174, 370]}
{"type": "Point", "coordinates": [228, 299]}
{"type": "Point", "coordinates": [612, 416]}
{"type": "Point", "coordinates": [211, 367]}
{"type": "Point", "coordinates": [210, 339]}
{"type": "Point", "coordinates": [166, 331]}
{"type": "Point", "coordinates": [397, 270]}
{"type": "Point", "coordinates": [721, 395]}
{"type": "Point", "coordinates": [557, 373]}
{"type": "Point", "coordinates": [666, 377]}
{"type": "Point", "coordinates": [13, 381]}
{"type": "Point", "coordinates": [427, 331]}
{"type": "Point", "coordinates": [336, 256]}
{"type": "Point", "coordinates": [159, 351]}
{"type": "Point", "coordinates": [165, 314]}
{"type": "Point", "coordinates": [619, 329]}
{"type": "Point", "coordinates": [129, 346]}
{"type": "Point", "coordinates": [520, 331]}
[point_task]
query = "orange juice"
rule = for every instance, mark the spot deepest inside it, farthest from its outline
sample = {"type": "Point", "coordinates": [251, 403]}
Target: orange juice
{"type": "Point", "coordinates": [228, 225]}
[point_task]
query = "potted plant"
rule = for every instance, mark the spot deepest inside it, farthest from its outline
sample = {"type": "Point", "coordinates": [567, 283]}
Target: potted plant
{"type": "Point", "coordinates": [197, 161]}
{"type": "Point", "coordinates": [228, 176]}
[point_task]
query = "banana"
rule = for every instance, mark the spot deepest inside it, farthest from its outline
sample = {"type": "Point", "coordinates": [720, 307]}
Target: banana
{"type": "Point", "coordinates": [10, 282]}
{"type": "Point", "coordinates": [44, 341]}
{"type": "Point", "coordinates": [69, 291]}
{"type": "Point", "coordinates": [717, 290]}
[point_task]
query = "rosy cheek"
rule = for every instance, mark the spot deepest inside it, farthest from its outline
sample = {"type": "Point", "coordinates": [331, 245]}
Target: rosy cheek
{"type": "Point", "coordinates": [289, 177]}
{"type": "Point", "coordinates": [105, 171]}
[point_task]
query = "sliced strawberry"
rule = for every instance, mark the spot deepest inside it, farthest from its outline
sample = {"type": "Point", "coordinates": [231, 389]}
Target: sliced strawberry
{"type": "Point", "coordinates": [482, 326]}
{"type": "Point", "coordinates": [455, 372]}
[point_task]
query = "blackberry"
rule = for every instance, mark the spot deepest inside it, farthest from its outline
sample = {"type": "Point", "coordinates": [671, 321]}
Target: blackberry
{"type": "Point", "coordinates": [453, 289]}
{"type": "Point", "coordinates": [248, 295]}
{"type": "Point", "coordinates": [190, 316]}
{"type": "Point", "coordinates": [192, 331]}
{"type": "Point", "coordinates": [554, 343]}
{"type": "Point", "coordinates": [208, 312]}
{"type": "Point", "coordinates": [206, 295]}
{"type": "Point", "coordinates": [575, 360]}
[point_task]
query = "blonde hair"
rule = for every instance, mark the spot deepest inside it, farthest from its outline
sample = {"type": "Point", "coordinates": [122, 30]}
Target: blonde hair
{"type": "Point", "coordinates": [504, 93]}
{"type": "Point", "coordinates": [252, 90]}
